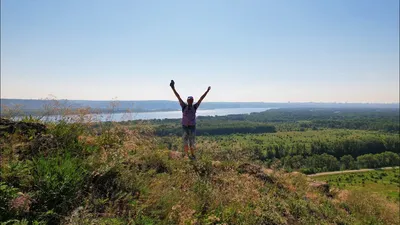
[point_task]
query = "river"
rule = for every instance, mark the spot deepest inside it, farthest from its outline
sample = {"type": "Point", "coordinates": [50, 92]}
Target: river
{"type": "Point", "coordinates": [118, 117]}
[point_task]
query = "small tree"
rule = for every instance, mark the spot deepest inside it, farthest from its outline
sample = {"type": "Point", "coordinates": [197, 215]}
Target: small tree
{"type": "Point", "coordinates": [347, 162]}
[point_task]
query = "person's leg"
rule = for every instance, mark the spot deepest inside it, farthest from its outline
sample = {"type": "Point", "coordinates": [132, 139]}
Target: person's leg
{"type": "Point", "coordinates": [185, 139]}
{"type": "Point", "coordinates": [192, 141]}
{"type": "Point", "coordinates": [186, 149]}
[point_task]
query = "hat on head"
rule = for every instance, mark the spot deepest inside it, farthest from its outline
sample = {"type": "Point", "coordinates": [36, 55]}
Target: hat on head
{"type": "Point", "coordinates": [190, 97]}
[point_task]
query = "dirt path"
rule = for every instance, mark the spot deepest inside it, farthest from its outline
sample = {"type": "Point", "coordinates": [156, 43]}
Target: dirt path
{"type": "Point", "coordinates": [348, 171]}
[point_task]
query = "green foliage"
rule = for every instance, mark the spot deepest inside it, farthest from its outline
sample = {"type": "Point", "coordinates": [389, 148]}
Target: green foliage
{"type": "Point", "coordinates": [362, 119]}
{"type": "Point", "coordinates": [347, 162]}
{"type": "Point", "coordinates": [384, 159]}
{"type": "Point", "coordinates": [59, 183]}
{"type": "Point", "coordinates": [23, 222]}
{"type": "Point", "coordinates": [17, 173]}
{"type": "Point", "coordinates": [212, 128]}
{"type": "Point", "coordinates": [110, 136]}
{"type": "Point", "coordinates": [322, 163]}
{"type": "Point", "coordinates": [66, 136]}
{"type": "Point", "coordinates": [115, 174]}
{"type": "Point", "coordinates": [7, 193]}
{"type": "Point", "coordinates": [270, 121]}
{"type": "Point", "coordinates": [383, 182]}
{"type": "Point", "coordinates": [156, 161]}
{"type": "Point", "coordinates": [309, 151]}
{"type": "Point", "coordinates": [301, 150]}
{"type": "Point", "coordinates": [372, 209]}
{"type": "Point", "coordinates": [203, 167]}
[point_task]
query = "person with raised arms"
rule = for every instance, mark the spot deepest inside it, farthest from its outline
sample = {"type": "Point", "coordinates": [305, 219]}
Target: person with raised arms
{"type": "Point", "coordinates": [189, 120]}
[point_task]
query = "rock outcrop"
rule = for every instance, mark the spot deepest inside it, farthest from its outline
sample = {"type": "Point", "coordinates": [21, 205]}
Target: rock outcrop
{"type": "Point", "coordinates": [257, 171]}
{"type": "Point", "coordinates": [24, 128]}
{"type": "Point", "coordinates": [33, 137]}
{"type": "Point", "coordinates": [320, 185]}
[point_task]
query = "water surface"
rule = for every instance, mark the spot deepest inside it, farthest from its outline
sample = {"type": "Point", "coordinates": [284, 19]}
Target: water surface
{"type": "Point", "coordinates": [118, 117]}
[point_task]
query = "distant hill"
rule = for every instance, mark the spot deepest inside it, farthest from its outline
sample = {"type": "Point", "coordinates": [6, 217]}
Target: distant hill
{"type": "Point", "coordinates": [30, 106]}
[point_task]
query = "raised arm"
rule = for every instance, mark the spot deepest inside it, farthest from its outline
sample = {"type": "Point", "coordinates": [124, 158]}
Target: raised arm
{"type": "Point", "coordinates": [172, 84]}
{"type": "Point", "coordinates": [203, 96]}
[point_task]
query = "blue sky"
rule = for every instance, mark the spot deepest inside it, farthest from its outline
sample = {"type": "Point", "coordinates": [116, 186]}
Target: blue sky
{"type": "Point", "coordinates": [271, 51]}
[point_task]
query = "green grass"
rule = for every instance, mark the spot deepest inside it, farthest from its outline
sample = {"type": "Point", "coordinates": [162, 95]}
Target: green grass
{"type": "Point", "coordinates": [383, 182]}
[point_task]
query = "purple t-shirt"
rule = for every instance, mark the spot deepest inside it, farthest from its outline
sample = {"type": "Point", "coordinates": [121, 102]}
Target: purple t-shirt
{"type": "Point", "coordinates": [189, 114]}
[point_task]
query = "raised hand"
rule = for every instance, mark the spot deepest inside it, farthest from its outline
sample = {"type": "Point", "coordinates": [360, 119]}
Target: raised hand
{"type": "Point", "coordinates": [209, 88]}
{"type": "Point", "coordinates": [172, 84]}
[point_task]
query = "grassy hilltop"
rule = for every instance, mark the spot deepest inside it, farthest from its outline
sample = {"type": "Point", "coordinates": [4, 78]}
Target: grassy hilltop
{"type": "Point", "coordinates": [129, 173]}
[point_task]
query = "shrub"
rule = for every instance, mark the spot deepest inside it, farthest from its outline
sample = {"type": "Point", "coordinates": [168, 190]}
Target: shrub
{"type": "Point", "coordinates": [17, 173]}
{"type": "Point", "coordinates": [7, 193]}
{"type": "Point", "coordinates": [59, 182]}
{"type": "Point", "coordinates": [66, 136]}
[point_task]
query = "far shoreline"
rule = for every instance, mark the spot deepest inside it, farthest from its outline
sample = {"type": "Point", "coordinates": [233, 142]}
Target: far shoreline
{"type": "Point", "coordinates": [77, 112]}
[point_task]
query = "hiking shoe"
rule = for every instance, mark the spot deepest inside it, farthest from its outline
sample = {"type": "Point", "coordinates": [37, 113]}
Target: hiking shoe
{"type": "Point", "coordinates": [192, 157]}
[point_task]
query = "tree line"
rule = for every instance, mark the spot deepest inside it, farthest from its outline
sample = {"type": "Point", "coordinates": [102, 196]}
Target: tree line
{"type": "Point", "coordinates": [209, 128]}
{"type": "Point", "coordinates": [274, 120]}
{"type": "Point", "coordinates": [325, 162]}
{"type": "Point", "coordinates": [318, 151]}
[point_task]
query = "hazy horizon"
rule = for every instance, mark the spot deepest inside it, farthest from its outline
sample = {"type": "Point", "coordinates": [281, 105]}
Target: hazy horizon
{"type": "Point", "coordinates": [174, 100]}
{"type": "Point", "coordinates": [247, 51]}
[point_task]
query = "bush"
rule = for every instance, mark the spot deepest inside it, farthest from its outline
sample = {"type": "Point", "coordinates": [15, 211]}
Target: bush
{"type": "Point", "coordinates": [7, 193]}
{"type": "Point", "coordinates": [111, 136]}
{"type": "Point", "coordinates": [308, 170]}
{"type": "Point", "coordinates": [17, 173]}
{"type": "Point", "coordinates": [66, 136]}
{"type": "Point", "coordinates": [59, 182]}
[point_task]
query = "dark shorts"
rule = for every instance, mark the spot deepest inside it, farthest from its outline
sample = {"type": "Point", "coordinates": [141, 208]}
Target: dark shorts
{"type": "Point", "coordinates": [189, 134]}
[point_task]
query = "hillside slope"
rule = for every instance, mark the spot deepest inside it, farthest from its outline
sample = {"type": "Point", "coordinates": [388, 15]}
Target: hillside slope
{"type": "Point", "coordinates": [74, 174]}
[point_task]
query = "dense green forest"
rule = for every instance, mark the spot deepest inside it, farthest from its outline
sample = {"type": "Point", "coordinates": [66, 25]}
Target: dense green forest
{"type": "Point", "coordinates": [220, 128]}
{"type": "Point", "coordinates": [385, 120]}
{"type": "Point", "coordinates": [310, 151]}
{"type": "Point", "coordinates": [309, 140]}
